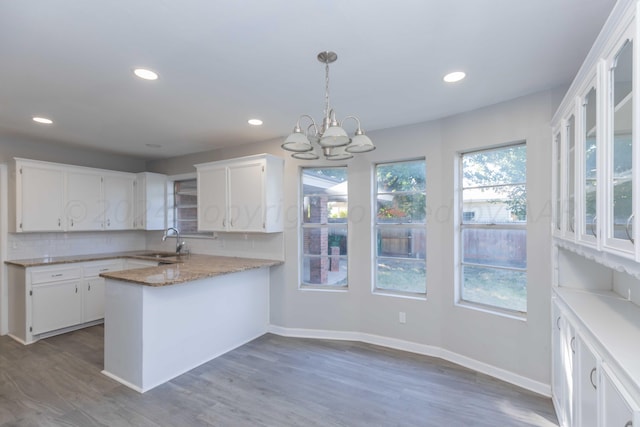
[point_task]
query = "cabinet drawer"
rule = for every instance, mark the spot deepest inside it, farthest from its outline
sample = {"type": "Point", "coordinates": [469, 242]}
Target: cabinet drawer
{"type": "Point", "coordinates": [94, 270]}
{"type": "Point", "coordinates": [55, 275]}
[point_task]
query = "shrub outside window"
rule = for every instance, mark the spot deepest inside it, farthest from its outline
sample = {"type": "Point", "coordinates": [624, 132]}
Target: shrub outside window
{"type": "Point", "coordinates": [493, 241]}
{"type": "Point", "coordinates": [324, 227]}
{"type": "Point", "coordinates": [400, 227]}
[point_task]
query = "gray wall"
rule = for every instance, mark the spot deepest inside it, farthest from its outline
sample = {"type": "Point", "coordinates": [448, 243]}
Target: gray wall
{"type": "Point", "coordinates": [18, 146]}
{"type": "Point", "coordinates": [514, 345]}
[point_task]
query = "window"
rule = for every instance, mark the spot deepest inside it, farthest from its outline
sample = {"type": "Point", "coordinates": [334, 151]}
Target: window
{"type": "Point", "coordinates": [324, 227]}
{"type": "Point", "coordinates": [183, 214]}
{"type": "Point", "coordinates": [400, 227]}
{"type": "Point", "coordinates": [493, 243]}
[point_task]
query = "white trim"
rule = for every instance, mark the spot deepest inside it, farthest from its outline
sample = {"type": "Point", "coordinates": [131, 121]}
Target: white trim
{"type": "Point", "coordinates": [412, 347]}
{"type": "Point", "coordinates": [121, 381]}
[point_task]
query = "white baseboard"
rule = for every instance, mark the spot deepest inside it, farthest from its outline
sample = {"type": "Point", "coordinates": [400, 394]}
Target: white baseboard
{"type": "Point", "coordinates": [123, 382]}
{"type": "Point", "coordinates": [426, 350]}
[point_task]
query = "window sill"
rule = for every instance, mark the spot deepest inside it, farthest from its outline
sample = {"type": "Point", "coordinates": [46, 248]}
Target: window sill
{"type": "Point", "coordinates": [515, 315]}
{"type": "Point", "coordinates": [327, 288]}
{"type": "Point", "coordinates": [405, 295]}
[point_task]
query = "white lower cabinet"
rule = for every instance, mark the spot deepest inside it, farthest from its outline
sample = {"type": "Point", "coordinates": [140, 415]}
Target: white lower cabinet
{"type": "Point", "coordinates": [93, 287]}
{"type": "Point", "coordinates": [586, 382]}
{"type": "Point", "coordinates": [56, 305]}
{"type": "Point", "coordinates": [587, 390]}
{"type": "Point", "coordinates": [48, 300]}
{"type": "Point", "coordinates": [618, 409]}
{"type": "Point", "coordinates": [93, 299]}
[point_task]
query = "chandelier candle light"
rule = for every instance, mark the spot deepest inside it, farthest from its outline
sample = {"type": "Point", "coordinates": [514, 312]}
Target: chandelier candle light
{"type": "Point", "coordinates": [331, 137]}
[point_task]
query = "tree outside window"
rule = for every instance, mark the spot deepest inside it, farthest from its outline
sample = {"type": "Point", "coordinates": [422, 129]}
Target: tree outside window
{"type": "Point", "coordinates": [493, 242]}
{"type": "Point", "coordinates": [400, 227]}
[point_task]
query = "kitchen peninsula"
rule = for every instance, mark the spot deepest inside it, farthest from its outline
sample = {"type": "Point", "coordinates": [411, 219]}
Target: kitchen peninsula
{"type": "Point", "coordinates": [164, 314]}
{"type": "Point", "coordinates": [163, 321]}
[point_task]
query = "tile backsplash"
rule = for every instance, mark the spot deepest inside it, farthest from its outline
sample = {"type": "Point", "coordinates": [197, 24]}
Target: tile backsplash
{"type": "Point", "coordinates": [38, 245]}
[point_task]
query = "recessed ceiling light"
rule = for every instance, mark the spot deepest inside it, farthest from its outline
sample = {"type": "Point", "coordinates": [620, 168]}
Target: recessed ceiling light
{"type": "Point", "coordinates": [456, 76]}
{"type": "Point", "coordinates": [42, 120]}
{"type": "Point", "coordinates": [255, 122]}
{"type": "Point", "coordinates": [143, 73]}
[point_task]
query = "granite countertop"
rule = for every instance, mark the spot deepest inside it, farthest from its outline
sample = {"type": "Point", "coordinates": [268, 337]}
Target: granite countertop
{"type": "Point", "coordinates": [35, 262]}
{"type": "Point", "coordinates": [188, 268]}
{"type": "Point", "coordinates": [172, 269]}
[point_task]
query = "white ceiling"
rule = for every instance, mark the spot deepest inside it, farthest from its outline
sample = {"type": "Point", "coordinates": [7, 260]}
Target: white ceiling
{"type": "Point", "coordinates": [223, 62]}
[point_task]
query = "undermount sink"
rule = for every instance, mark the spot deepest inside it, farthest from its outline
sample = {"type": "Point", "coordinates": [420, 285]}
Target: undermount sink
{"type": "Point", "coordinates": [159, 254]}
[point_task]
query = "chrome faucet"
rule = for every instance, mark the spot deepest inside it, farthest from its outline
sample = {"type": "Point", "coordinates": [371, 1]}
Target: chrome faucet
{"type": "Point", "coordinates": [179, 243]}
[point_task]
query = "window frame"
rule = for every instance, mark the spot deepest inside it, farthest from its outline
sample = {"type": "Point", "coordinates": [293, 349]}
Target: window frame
{"type": "Point", "coordinates": [461, 226]}
{"type": "Point", "coordinates": [397, 226]}
{"type": "Point", "coordinates": [308, 226]}
{"type": "Point", "coordinates": [171, 205]}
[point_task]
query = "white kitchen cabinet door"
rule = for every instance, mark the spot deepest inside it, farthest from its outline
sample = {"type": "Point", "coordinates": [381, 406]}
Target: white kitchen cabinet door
{"type": "Point", "coordinates": [587, 386]}
{"type": "Point", "coordinates": [246, 196]}
{"type": "Point", "coordinates": [118, 201]}
{"type": "Point", "coordinates": [39, 196]}
{"type": "Point", "coordinates": [93, 299]}
{"type": "Point", "coordinates": [557, 367]}
{"type": "Point", "coordinates": [56, 305]}
{"type": "Point", "coordinates": [621, 156]}
{"type": "Point", "coordinates": [83, 207]}
{"type": "Point", "coordinates": [212, 198]}
{"type": "Point", "coordinates": [618, 409]}
{"type": "Point", "coordinates": [568, 358]}
{"type": "Point", "coordinates": [150, 201]}
{"type": "Point", "coordinates": [241, 195]}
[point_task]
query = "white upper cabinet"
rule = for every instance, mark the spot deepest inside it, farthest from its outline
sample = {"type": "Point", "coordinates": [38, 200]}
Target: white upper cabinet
{"type": "Point", "coordinates": [242, 195]}
{"type": "Point", "coordinates": [620, 203]}
{"type": "Point", "coordinates": [151, 201]}
{"type": "Point", "coordinates": [118, 201]}
{"type": "Point", "coordinates": [58, 197]}
{"type": "Point", "coordinates": [212, 197]}
{"type": "Point", "coordinates": [39, 197]}
{"type": "Point", "coordinates": [587, 166]}
{"type": "Point", "coordinates": [83, 203]}
{"type": "Point", "coordinates": [594, 157]}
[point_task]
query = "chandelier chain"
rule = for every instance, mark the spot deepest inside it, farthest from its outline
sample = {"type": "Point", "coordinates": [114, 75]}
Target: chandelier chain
{"type": "Point", "coordinates": [326, 90]}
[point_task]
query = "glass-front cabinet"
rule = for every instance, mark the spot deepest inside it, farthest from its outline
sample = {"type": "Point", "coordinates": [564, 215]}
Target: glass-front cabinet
{"type": "Point", "coordinates": [620, 207]}
{"type": "Point", "coordinates": [557, 183]}
{"type": "Point", "coordinates": [594, 160]}
{"type": "Point", "coordinates": [587, 161]}
{"type": "Point", "coordinates": [570, 216]}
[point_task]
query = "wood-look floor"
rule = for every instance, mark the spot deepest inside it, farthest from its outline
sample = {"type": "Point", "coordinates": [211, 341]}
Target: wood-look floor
{"type": "Point", "coordinates": [271, 381]}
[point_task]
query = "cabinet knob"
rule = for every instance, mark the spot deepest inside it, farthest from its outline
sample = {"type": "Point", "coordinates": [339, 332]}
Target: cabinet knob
{"type": "Point", "coordinates": [629, 424]}
{"type": "Point", "coordinates": [593, 371]}
{"type": "Point", "coordinates": [558, 322]}
{"type": "Point", "coordinates": [572, 345]}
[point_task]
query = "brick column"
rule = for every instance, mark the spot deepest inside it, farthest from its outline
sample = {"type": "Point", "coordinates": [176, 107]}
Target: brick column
{"type": "Point", "coordinates": [319, 241]}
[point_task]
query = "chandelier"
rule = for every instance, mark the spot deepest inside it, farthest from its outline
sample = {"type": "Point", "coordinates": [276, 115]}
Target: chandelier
{"type": "Point", "coordinates": [331, 138]}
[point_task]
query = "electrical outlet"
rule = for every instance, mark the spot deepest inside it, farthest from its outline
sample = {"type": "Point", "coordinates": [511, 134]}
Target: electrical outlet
{"type": "Point", "coordinates": [402, 317]}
